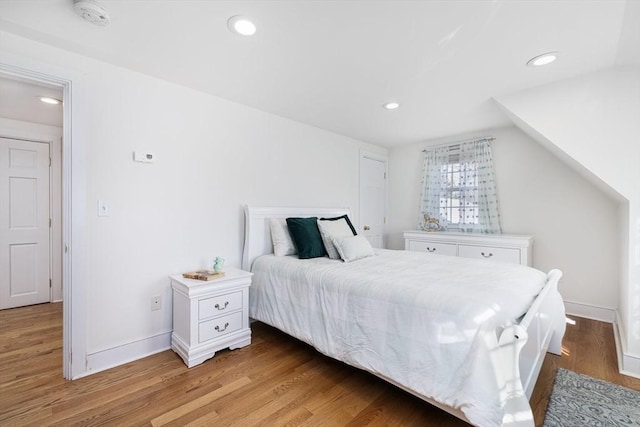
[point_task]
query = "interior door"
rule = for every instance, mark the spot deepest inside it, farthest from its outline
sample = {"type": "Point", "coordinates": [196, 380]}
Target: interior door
{"type": "Point", "coordinates": [373, 196]}
{"type": "Point", "coordinates": [24, 223]}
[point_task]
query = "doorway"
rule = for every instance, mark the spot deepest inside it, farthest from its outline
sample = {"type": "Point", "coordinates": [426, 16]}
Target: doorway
{"type": "Point", "coordinates": [17, 69]}
{"type": "Point", "coordinates": [30, 192]}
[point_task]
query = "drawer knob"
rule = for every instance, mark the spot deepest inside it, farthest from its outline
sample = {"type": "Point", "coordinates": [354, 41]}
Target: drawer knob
{"type": "Point", "coordinates": [486, 256]}
{"type": "Point", "coordinates": [431, 249]}
{"type": "Point", "coordinates": [226, 325]}
{"type": "Point", "coordinates": [222, 308]}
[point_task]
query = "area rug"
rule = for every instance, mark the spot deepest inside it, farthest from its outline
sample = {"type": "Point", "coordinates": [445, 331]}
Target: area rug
{"type": "Point", "coordinates": [579, 400]}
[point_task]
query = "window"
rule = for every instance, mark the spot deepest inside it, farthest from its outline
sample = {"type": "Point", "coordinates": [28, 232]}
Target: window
{"type": "Point", "coordinates": [459, 187]}
{"type": "Point", "coordinates": [459, 198]}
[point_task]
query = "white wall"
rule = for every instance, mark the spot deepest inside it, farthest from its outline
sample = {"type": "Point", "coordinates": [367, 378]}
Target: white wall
{"type": "Point", "coordinates": [574, 223]}
{"type": "Point", "coordinates": [51, 135]}
{"type": "Point", "coordinates": [212, 157]}
{"type": "Point", "coordinates": [592, 123]}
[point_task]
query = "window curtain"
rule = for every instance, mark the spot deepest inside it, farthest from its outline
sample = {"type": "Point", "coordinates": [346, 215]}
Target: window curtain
{"type": "Point", "coordinates": [475, 185]}
{"type": "Point", "coordinates": [434, 185]}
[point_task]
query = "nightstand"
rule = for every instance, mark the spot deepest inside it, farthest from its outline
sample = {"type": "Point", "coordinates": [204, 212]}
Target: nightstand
{"type": "Point", "coordinates": [209, 316]}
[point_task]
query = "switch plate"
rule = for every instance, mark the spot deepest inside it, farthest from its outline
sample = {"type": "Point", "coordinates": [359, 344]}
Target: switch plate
{"type": "Point", "coordinates": [156, 303]}
{"type": "Point", "coordinates": [103, 208]}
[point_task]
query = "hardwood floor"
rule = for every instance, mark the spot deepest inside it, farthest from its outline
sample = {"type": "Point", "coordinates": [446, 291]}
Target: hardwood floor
{"type": "Point", "coordinates": [276, 381]}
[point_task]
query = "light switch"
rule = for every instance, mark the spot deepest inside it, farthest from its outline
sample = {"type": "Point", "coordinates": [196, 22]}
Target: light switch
{"type": "Point", "coordinates": [103, 208]}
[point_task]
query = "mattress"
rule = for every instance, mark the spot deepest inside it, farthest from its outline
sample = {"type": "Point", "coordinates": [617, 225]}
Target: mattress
{"type": "Point", "coordinates": [428, 322]}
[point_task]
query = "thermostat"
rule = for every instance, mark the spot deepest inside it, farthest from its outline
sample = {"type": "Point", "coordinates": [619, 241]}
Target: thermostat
{"type": "Point", "coordinates": [140, 156]}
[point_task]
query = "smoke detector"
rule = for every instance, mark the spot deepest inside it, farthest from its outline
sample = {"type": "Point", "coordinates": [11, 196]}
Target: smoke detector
{"type": "Point", "coordinates": [92, 12]}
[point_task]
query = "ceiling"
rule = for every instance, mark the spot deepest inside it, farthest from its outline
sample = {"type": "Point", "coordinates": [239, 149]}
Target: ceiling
{"type": "Point", "coordinates": [332, 64]}
{"type": "Point", "coordinates": [20, 100]}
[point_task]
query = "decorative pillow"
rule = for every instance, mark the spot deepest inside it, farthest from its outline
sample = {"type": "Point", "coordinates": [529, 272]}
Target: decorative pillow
{"type": "Point", "coordinates": [282, 243]}
{"type": "Point", "coordinates": [306, 237]}
{"type": "Point", "coordinates": [346, 218]}
{"type": "Point", "coordinates": [352, 248]}
{"type": "Point", "coordinates": [330, 229]}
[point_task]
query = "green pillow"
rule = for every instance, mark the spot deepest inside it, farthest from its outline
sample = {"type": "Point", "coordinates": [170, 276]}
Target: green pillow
{"type": "Point", "coordinates": [306, 237]}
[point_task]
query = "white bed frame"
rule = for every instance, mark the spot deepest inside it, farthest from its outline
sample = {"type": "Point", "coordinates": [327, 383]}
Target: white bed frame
{"type": "Point", "coordinates": [521, 347]}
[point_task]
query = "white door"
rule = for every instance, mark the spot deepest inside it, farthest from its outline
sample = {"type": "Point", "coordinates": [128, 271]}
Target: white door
{"type": "Point", "coordinates": [373, 196]}
{"type": "Point", "coordinates": [24, 223]}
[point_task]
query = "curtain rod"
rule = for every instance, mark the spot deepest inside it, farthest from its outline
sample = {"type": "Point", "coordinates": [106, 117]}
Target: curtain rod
{"type": "Point", "coordinates": [446, 144]}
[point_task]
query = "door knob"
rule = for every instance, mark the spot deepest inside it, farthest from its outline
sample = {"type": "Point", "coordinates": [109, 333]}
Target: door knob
{"type": "Point", "coordinates": [367, 228]}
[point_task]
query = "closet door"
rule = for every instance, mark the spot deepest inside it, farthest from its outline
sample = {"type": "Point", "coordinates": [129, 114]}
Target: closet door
{"type": "Point", "coordinates": [373, 199]}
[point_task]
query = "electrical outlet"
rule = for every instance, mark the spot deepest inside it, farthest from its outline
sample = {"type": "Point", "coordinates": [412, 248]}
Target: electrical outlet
{"type": "Point", "coordinates": [156, 303]}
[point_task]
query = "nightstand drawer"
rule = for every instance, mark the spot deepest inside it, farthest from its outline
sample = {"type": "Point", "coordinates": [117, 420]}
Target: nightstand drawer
{"type": "Point", "coordinates": [219, 326]}
{"type": "Point", "coordinates": [219, 305]}
{"type": "Point", "coordinates": [433, 247]}
{"type": "Point", "coordinates": [493, 253]}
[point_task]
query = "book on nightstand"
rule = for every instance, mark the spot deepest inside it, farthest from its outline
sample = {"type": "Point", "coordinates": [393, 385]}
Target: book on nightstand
{"type": "Point", "coordinates": [203, 275]}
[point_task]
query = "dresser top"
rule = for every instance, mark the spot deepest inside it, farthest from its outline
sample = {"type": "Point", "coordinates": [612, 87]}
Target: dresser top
{"type": "Point", "coordinates": [472, 235]}
{"type": "Point", "coordinates": [450, 236]}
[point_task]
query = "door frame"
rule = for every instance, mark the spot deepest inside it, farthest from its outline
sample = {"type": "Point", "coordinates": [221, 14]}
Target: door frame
{"type": "Point", "coordinates": [364, 154]}
{"type": "Point", "coordinates": [73, 203]}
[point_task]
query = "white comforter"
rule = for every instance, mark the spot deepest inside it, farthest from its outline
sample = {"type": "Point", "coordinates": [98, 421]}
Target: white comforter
{"type": "Point", "coordinates": [426, 321]}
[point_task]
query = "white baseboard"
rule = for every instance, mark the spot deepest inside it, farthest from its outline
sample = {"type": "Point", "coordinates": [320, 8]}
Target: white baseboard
{"type": "Point", "coordinates": [628, 364]}
{"type": "Point", "coordinates": [590, 311]}
{"type": "Point", "coordinates": [125, 353]}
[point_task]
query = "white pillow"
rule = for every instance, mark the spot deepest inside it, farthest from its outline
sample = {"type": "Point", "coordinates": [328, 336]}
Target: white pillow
{"type": "Point", "coordinates": [331, 229]}
{"type": "Point", "coordinates": [352, 248]}
{"type": "Point", "coordinates": [282, 243]}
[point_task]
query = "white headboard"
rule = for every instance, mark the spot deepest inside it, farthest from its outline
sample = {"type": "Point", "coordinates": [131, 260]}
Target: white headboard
{"type": "Point", "coordinates": [257, 234]}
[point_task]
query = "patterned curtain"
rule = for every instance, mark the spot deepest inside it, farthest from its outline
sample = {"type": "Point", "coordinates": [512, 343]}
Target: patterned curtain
{"type": "Point", "coordinates": [459, 184]}
{"type": "Point", "coordinates": [483, 215]}
{"type": "Point", "coordinates": [434, 185]}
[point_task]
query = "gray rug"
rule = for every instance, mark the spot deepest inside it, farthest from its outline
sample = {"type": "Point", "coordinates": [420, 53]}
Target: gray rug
{"type": "Point", "coordinates": [578, 400]}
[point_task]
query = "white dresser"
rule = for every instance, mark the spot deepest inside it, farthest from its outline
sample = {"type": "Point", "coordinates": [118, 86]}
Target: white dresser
{"type": "Point", "coordinates": [210, 316]}
{"type": "Point", "coordinates": [512, 248]}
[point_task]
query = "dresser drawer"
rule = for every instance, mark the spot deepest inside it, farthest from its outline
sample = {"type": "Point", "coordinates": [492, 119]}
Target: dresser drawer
{"type": "Point", "coordinates": [219, 305]}
{"type": "Point", "coordinates": [487, 252]}
{"type": "Point", "coordinates": [434, 247]}
{"type": "Point", "coordinates": [219, 326]}
{"type": "Point", "coordinates": [512, 248]}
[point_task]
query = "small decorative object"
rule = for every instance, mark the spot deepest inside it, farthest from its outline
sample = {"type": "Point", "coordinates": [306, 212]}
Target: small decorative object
{"type": "Point", "coordinates": [218, 264]}
{"type": "Point", "coordinates": [431, 224]}
{"type": "Point", "coordinates": [205, 275]}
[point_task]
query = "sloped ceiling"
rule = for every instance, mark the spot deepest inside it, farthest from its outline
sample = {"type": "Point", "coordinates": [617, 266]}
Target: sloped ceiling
{"type": "Point", "coordinates": [332, 64]}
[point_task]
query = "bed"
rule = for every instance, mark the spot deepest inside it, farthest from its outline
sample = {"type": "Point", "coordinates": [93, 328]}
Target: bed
{"type": "Point", "coordinates": [468, 336]}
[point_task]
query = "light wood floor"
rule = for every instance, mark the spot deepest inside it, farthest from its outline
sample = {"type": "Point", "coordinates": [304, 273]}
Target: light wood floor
{"type": "Point", "coordinates": [275, 381]}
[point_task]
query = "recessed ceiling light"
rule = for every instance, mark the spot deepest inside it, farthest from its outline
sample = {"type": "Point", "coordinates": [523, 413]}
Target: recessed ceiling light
{"type": "Point", "coordinates": [544, 59]}
{"type": "Point", "coordinates": [241, 25]}
{"type": "Point", "coordinates": [49, 100]}
{"type": "Point", "coordinates": [390, 105]}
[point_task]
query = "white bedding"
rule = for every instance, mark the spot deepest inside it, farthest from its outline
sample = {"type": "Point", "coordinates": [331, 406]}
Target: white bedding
{"type": "Point", "coordinates": [426, 321]}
